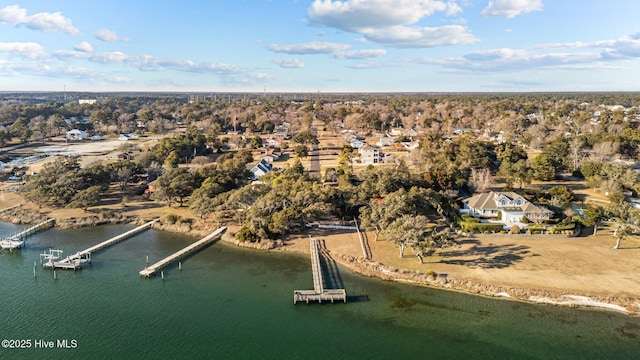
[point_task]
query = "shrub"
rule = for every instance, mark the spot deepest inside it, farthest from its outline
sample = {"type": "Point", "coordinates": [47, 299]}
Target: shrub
{"type": "Point", "coordinates": [477, 227]}
{"type": "Point", "coordinates": [514, 229]}
{"type": "Point", "coordinates": [245, 234]}
{"type": "Point", "coordinates": [570, 226]}
{"type": "Point", "coordinates": [171, 218]}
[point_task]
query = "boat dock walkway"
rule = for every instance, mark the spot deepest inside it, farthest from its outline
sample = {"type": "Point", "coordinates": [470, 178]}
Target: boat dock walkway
{"type": "Point", "coordinates": [54, 259]}
{"type": "Point", "coordinates": [319, 293]}
{"type": "Point", "coordinates": [17, 240]}
{"type": "Point", "coordinates": [151, 270]}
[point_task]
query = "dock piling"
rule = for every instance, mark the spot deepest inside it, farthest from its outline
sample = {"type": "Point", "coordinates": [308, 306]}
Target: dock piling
{"type": "Point", "coordinates": [180, 265]}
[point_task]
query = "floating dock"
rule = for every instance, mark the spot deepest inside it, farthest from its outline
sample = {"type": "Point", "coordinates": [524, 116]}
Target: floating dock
{"type": "Point", "coordinates": [151, 270]}
{"type": "Point", "coordinates": [319, 293]}
{"type": "Point", "coordinates": [54, 258]}
{"type": "Point", "coordinates": [16, 241]}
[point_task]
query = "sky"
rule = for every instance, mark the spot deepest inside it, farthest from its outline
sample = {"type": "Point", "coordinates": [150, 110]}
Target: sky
{"type": "Point", "coordinates": [320, 45]}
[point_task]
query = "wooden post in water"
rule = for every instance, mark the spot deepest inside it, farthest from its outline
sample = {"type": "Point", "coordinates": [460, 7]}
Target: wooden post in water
{"type": "Point", "coordinates": [34, 269]}
{"type": "Point", "coordinates": [147, 260]}
{"type": "Point", "coordinates": [162, 274]}
{"type": "Point", "coordinates": [180, 265]}
{"type": "Point", "coordinates": [54, 274]}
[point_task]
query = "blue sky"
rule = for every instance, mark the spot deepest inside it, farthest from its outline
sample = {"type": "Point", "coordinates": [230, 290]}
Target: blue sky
{"type": "Point", "coordinates": [321, 45]}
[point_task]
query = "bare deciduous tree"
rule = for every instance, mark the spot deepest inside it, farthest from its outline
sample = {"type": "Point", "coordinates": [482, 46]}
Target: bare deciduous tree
{"type": "Point", "coordinates": [481, 179]}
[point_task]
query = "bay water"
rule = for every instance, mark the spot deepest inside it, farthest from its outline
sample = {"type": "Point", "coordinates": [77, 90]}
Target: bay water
{"type": "Point", "coordinates": [231, 303]}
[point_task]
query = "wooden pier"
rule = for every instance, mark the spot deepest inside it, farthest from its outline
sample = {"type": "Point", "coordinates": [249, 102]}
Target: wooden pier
{"type": "Point", "coordinates": [17, 240]}
{"type": "Point", "coordinates": [319, 293]}
{"type": "Point", "coordinates": [54, 260]}
{"type": "Point", "coordinates": [153, 269]}
{"type": "Point", "coordinates": [77, 260]}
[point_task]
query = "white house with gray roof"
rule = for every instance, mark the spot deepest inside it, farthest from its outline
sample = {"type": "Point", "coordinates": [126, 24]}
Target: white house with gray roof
{"type": "Point", "coordinates": [510, 205]}
{"type": "Point", "coordinates": [261, 168]}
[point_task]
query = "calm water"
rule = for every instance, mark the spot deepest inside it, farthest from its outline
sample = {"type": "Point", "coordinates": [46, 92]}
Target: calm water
{"type": "Point", "coordinates": [230, 303]}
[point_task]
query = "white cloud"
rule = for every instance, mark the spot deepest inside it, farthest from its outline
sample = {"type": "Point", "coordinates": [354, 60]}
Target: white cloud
{"type": "Point", "coordinates": [360, 54]}
{"type": "Point", "coordinates": [511, 8]}
{"type": "Point", "coordinates": [359, 15]}
{"type": "Point", "coordinates": [504, 60]}
{"type": "Point", "coordinates": [391, 22]}
{"type": "Point", "coordinates": [40, 69]}
{"type": "Point", "coordinates": [108, 35]}
{"type": "Point", "coordinates": [419, 37]}
{"type": "Point", "coordinates": [624, 47]}
{"type": "Point", "coordinates": [114, 57]}
{"type": "Point", "coordinates": [453, 9]}
{"type": "Point", "coordinates": [15, 15]}
{"type": "Point", "coordinates": [228, 73]}
{"type": "Point", "coordinates": [84, 47]}
{"type": "Point", "coordinates": [589, 56]}
{"type": "Point", "coordinates": [308, 48]}
{"type": "Point", "coordinates": [71, 54]}
{"type": "Point", "coordinates": [28, 50]}
{"type": "Point", "coordinates": [376, 65]}
{"type": "Point", "coordinates": [291, 63]}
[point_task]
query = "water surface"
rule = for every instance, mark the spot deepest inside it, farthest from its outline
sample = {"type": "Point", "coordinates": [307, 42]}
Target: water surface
{"type": "Point", "coordinates": [231, 303]}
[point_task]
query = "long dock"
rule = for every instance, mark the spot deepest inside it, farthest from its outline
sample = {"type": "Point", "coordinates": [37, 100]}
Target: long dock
{"type": "Point", "coordinates": [76, 261]}
{"type": "Point", "coordinates": [319, 293]}
{"type": "Point", "coordinates": [17, 240]}
{"type": "Point", "coordinates": [153, 269]}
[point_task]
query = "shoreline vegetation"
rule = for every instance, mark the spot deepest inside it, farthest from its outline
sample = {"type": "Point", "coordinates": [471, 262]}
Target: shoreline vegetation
{"type": "Point", "coordinates": [357, 264]}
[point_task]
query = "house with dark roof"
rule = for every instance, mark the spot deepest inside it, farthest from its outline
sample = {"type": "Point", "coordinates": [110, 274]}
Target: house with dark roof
{"type": "Point", "coordinates": [511, 207]}
{"type": "Point", "coordinates": [261, 168]}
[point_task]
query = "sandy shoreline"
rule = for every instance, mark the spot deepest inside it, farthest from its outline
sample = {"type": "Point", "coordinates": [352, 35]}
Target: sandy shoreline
{"type": "Point", "coordinates": [345, 249]}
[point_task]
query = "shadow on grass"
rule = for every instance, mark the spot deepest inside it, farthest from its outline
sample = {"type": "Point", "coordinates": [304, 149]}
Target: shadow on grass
{"type": "Point", "coordinates": [488, 256]}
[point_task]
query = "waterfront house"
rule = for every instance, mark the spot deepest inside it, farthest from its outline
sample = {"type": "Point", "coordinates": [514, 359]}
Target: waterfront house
{"type": "Point", "coordinates": [509, 206]}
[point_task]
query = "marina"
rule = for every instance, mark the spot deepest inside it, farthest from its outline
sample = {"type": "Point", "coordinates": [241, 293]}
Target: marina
{"type": "Point", "coordinates": [153, 269]}
{"type": "Point", "coordinates": [17, 240]}
{"type": "Point", "coordinates": [54, 258]}
{"type": "Point", "coordinates": [319, 293]}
